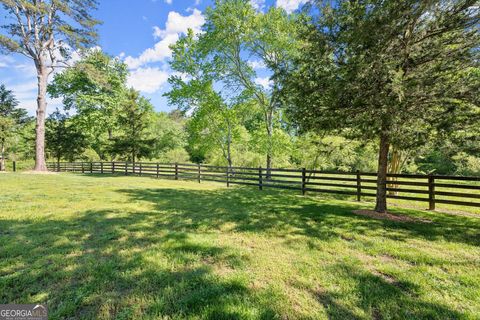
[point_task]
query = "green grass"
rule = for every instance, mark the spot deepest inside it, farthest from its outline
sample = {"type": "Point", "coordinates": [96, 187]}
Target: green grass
{"type": "Point", "coordinates": [108, 247]}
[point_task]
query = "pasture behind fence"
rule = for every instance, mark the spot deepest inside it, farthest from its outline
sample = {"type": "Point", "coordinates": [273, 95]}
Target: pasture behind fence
{"type": "Point", "coordinates": [431, 189]}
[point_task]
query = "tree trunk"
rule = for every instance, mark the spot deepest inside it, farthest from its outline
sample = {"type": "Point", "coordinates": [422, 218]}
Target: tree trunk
{"type": "Point", "coordinates": [381, 205]}
{"type": "Point", "coordinates": [394, 168]}
{"type": "Point", "coordinates": [269, 148]}
{"type": "Point", "coordinates": [229, 146]}
{"type": "Point", "coordinates": [2, 154]}
{"type": "Point", "coordinates": [40, 164]}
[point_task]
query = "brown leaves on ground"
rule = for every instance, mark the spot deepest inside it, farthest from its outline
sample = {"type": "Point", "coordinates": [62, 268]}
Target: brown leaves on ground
{"type": "Point", "coordinates": [389, 216]}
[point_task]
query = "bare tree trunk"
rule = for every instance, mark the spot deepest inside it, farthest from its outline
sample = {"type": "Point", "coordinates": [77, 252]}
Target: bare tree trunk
{"type": "Point", "coordinates": [394, 168]}
{"type": "Point", "coordinates": [381, 205]}
{"type": "Point", "coordinates": [269, 148]}
{"type": "Point", "coordinates": [40, 164]}
{"type": "Point", "coordinates": [229, 146]}
{"type": "Point", "coordinates": [2, 154]}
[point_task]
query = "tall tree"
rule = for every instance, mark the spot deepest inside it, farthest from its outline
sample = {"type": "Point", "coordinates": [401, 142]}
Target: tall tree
{"type": "Point", "coordinates": [45, 31]}
{"type": "Point", "coordinates": [92, 87]}
{"type": "Point", "coordinates": [10, 117]}
{"type": "Point", "coordinates": [387, 69]}
{"type": "Point", "coordinates": [134, 118]}
{"type": "Point", "coordinates": [64, 138]}
{"type": "Point", "coordinates": [237, 40]}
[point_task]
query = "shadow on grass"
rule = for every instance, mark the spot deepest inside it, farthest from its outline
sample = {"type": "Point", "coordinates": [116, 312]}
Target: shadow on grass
{"type": "Point", "coordinates": [112, 264]}
{"type": "Point", "coordinates": [118, 259]}
{"type": "Point", "coordinates": [285, 213]}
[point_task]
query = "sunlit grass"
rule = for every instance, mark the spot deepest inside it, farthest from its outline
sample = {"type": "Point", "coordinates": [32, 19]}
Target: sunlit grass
{"type": "Point", "coordinates": [102, 247]}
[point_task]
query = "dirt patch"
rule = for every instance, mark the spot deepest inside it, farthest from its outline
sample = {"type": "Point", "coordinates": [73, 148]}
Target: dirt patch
{"type": "Point", "coordinates": [389, 216]}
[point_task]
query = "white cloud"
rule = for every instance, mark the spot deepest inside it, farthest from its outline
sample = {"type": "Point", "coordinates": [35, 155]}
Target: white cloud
{"type": "Point", "coordinates": [147, 80]}
{"type": "Point", "coordinates": [290, 5]}
{"type": "Point", "coordinates": [197, 2]}
{"type": "Point", "coordinates": [176, 24]}
{"type": "Point", "coordinates": [258, 4]}
{"type": "Point", "coordinates": [168, 1]}
{"type": "Point", "coordinates": [264, 82]}
{"type": "Point", "coordinates": [6, 61]}
{"type": "Point", "coordinates": [257, 64]}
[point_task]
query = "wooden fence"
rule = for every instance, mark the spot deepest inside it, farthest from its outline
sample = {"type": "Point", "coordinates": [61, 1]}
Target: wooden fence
{"type": "Point", "coordinates": [431, 189]}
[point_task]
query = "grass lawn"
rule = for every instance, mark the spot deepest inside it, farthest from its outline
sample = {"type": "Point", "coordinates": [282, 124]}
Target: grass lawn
{"type": "Point", "coordinates": [95, 247]}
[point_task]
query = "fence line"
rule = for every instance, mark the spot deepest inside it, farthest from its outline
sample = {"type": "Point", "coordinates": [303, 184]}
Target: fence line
{"type": "Point", "coordinates": [431, 189]}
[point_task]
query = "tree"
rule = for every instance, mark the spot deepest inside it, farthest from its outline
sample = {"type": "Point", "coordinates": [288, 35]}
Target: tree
{"type": "Point", "coordinates": [235, 37]}
{"type": "Point", "coordinates": [92, 87]}
{"type": "Point", "coordinates": [10, 118]}
{"type": "Point", "coordinates": [64, 138]}
{"type": "Point", "coordinates": [134, 118]}
{"type": "Point", "coordinates": [44, 31]}
{"type": "Point", "coordinates": [169, 132]}
{"type": "Point", "coordinates": [385, 70]}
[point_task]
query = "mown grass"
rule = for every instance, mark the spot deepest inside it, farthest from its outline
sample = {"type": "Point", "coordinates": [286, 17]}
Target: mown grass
{"type": "Point", "coordinates": [103, 247]}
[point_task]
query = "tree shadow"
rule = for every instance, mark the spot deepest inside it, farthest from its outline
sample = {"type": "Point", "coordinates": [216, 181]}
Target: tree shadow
{"type": "Point", "coordinates": [101, 263]}
{"type": "Point", "coordinates": [285, 213]}
{"type": "Point", "coordinates": [116, 264]}
{"type": "Point", "coordinates": [378, 298]}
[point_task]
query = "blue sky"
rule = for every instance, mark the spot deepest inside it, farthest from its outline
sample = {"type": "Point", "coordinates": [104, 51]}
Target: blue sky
{"type": "Point", "coordinates": [137, 31]}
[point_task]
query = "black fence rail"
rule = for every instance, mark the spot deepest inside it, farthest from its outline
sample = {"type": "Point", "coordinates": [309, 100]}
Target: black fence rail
{"type": "Point", "coordinates": [431, 189]}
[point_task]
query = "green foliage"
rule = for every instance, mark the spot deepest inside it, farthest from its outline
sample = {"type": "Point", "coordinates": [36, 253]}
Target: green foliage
{"type": "Point", "coordinates": [220, 78]}
{"type": "Point", "coordinates": [12, 122]}
{"type": "Point", "coordinates": [169, 133]}
{"type": "Point", "coordinates": [93, 88]}
{"type": "Point", "coordinates": [397, 85]}
{"type": "Point", "coordinates": [64, 139]}
{"type": "Point", "coordinates": [37, 28]}
{"type": "Point", "coordinates": [134, 118]}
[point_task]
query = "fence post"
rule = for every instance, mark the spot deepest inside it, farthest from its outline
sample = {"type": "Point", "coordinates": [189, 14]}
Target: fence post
{"type": "Point", "coordinates": [359, 186]}
{"type": "Point", "coordinates": [431, 192]}
{"type": "Point", "coordinates": [140, 169]}
{"type": "Point", "coordinates": [199, 173]}
{"type": "Point", "coordinates": [260, 181]}
{"type": "Point", "coordinates": [158, 169]}
{"type": "Point", "coordinates": [304, 180]}
{"type": "Point", "coordinates": [176, 171]}
{"type": "Point", "coordinates": [91, 167]}
{"type": "Point", "coordinates": [14, 166]}
{"type": "Point", "coordinates": [83, 168]}
{"type": "Point", "coordinates": [126, 168]}
{"type": "Point", "coordinates": [228, 179]}
{"type": "Point", "coordinates": [101, 167]}
{"type": "Point", "coordinates": [113, 167]}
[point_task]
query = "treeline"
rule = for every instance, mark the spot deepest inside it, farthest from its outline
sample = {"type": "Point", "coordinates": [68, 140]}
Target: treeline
{"type": "Point", "coordinates": [349, 85]}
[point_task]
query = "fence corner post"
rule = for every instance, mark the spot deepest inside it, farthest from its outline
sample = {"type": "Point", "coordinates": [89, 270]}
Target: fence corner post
{"type": "Point", "coordinates": [260, 179]}
{"type": "Point", "coordinates": [359, 186]}
{"type": "Point", "coordinates": [199, 174]}
{"type": "Point", "coordinates": [431, 192]}
{"type": "Point", "coordinates": [176, 171]}
{"type": "Point", "coordinates": [14, 166]}
{"type": "Point", "coordinates": [304, 180]}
